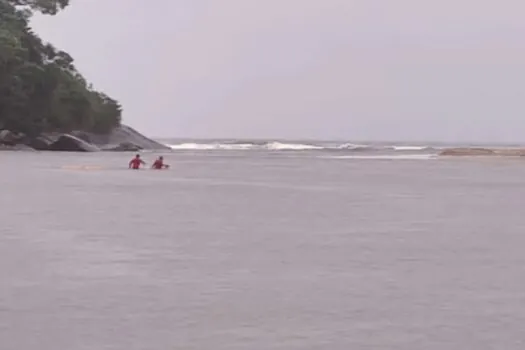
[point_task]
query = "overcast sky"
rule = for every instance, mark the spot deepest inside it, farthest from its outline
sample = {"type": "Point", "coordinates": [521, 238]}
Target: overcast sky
{"type": "Point", "coordinates": [447, 70]}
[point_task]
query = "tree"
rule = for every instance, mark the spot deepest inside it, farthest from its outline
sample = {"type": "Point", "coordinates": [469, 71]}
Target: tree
{"type": "Point", "coordinates": [50, 7]}
{"type": "Point", "coordinates": [40, 88]}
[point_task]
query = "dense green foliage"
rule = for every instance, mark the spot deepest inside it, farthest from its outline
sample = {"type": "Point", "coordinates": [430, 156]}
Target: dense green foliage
{"type": "Point", "coordinates": [40, 89]}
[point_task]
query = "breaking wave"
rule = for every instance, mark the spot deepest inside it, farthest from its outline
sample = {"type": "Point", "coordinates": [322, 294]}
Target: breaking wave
{"type": "Point", "coordinates": [411, 148]}
{"type": "Point", "coordinates": [387, 157]}
{"type": "Point", "coordinates": [289, 146]}
{"type": "Point", "coordinates": [278, 146]}
{"type": "Point", "coordinates": [211, 146]}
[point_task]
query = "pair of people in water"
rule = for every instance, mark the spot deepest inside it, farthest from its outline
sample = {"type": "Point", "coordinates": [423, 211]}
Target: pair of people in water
{"type": "Point", "coordinates": [136, 162]}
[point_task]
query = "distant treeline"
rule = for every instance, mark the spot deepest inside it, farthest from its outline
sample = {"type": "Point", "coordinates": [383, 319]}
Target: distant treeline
{"type": "Point", "coordinates": [40, 88]}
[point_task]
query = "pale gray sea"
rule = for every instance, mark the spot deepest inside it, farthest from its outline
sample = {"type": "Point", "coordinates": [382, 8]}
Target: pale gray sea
{"type": "Point", "coordinates": [261, 250]}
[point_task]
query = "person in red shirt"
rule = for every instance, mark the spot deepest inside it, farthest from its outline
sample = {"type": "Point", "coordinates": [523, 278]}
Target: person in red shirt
{"type": "Point", "coordinates": [136, 162]}
{"type": "Point", "coordinates": [159, 164]}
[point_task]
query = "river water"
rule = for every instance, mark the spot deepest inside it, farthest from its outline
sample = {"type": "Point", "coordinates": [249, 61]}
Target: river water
{"type": "Point", "coordinates": [261, 250]}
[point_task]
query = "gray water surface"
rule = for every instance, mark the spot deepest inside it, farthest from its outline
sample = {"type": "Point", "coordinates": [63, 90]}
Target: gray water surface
{"type": "Point", "coordinates": [230, 250]}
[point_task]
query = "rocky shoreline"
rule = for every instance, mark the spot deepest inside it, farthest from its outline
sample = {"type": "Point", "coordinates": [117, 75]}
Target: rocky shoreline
{"type": "Point", "coordinates": [483, 152]}
{"type": "Point", "coordinates": [126, 139]}
{"type": "Point", "coordinates": [121, 139]}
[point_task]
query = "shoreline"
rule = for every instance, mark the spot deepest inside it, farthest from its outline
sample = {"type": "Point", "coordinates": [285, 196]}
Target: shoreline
{"type": "Point", "coordinates": [121, 139]}
{"type": "Point", "coordinates": [483, 152]}
{"type": "Point", "coordinates": [126, 139]}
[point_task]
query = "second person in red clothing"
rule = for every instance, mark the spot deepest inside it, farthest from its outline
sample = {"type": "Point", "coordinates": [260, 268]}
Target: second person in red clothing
{"type": "Point", "coordinates": [159, 164]}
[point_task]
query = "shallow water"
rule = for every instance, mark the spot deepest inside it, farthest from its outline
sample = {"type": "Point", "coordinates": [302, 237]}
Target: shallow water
{"type": "Point", "coordinates": [233, 250]}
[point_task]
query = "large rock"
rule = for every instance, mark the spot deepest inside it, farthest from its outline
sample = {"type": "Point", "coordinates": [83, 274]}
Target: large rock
{"type": "Point", "coordinates": [467, 151]}
{"type": "Point", "coordinates": [501, 152]}
{"type": "Point", "coordinates": [9, 138]}
{"type": "Point", "coordinates": [123, 139]}
{"type": "Point", "coordinates": [122, 135]}
{"type": "Point", "coordinates": [70, 143]}
{"type": "Point", "coordinates": [82, 135]}
{"type": "Point", "coordinates": [17, 147]}
{"type": "Point", "coordinates": [510, 152]}
{"type": "Point", "coordinates": [40, 143]}
{"type": "Point", "coordinates": [123, 147]}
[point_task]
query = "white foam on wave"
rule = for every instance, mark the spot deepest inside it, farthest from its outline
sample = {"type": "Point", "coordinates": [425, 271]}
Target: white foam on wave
{"type": "Point", "coordinates": [281, 146]}
{"type": "Point", "coordinates": [409, 148]}
{"type": "Point", "coordinates": [273, 146]}
{"type": "Point", "coordinates": [352, 146]}
{"type": "Point", "coordinates": [278, 146]}
{"type": "Point", "coordinates": [386, 157]}
{"type": "Point", "coordinates": [210, 146]}
{"type": "Point", "coordinates": [191, 146]}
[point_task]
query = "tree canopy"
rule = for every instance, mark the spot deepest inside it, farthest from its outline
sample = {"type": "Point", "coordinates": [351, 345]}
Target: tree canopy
{"type": "Point", "coordinates": [40, 88]}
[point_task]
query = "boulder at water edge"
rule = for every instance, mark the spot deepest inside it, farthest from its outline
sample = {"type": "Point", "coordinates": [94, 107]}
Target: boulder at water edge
{"type": "Point", "coordinates": [8, 137]}
{"type": "Point", "coordinates": [69, 143]}
{"type": "Point", "coordinates": [467, 152]}
{"type": "Point", "coordinates": [17, 147]}
{"type": "Point", "coordinates": [510, 152]}
{"type": "Point", "coordinates": [40, 143]}
{"type": "Point", "coordinates": [123, 147]}
{"type": "Point", "coordinates": [122, 135]}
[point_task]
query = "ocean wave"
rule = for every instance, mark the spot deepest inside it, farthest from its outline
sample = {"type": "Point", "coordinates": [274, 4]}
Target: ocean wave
{"type": "Point", "coordinates": [386, 157]}
{"type": "Point", "coordinates": [290, 146]}
{"type": "Point", "coordinates": [211, 146]}
{"type": "Point", "coordinates": [278, 146]}
{"type": "Point", "coordinates": [411, 148]}
{"type": "Point", "coordinates": [239, 146]}
{"type": "Point", "coordinates": [352, 146]}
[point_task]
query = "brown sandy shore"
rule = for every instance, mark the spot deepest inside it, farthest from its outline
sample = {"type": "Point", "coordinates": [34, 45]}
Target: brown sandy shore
{"type": "Point", "coordinates": [485, 152]}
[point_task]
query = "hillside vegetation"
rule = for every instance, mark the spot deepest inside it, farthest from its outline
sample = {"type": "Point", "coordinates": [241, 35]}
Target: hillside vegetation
{"type": "Point", "coordinates": [40, 88]}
